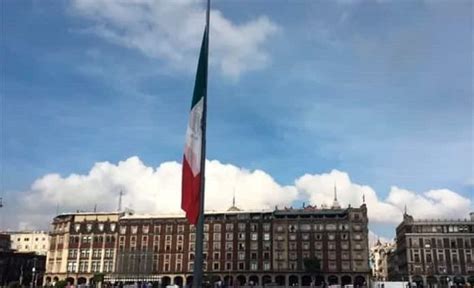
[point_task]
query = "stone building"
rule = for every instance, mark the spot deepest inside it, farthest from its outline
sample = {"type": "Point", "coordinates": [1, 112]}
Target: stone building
{"type": "Point", "coordinates": [242, 247]}
{"type": "Point", "coordinates": [379, 254]}
{"type": "Point", "coordinates": [30, 241]}
{"type": "Point", "coordinates": [5, 243]}
{"type": "Point", "coordinates": [434, 252]}
{"type": "Point", "coordinates": [82, 244]}
{"type": "Point", "coordinates": [247, 247]}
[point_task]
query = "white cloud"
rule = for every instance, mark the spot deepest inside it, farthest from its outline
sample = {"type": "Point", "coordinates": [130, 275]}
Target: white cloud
{"type": "Point", "coordinates": [158, 190]}
{"type": "Point", "coordinates": [374, 237]}
{"type": "Point", "coordinates": [149, 190]}
{"type": "Point", "coordinates": [172, 30]}
{"type": "Point", "coordinates": [443, 203]}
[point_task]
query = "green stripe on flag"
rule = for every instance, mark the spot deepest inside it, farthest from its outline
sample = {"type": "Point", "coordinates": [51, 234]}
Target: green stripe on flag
{"type": "Point", "coordinates": [201, 75]}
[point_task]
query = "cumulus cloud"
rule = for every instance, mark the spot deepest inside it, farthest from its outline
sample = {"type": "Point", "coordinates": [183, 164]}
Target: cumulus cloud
{"type": "Point", "coordinates": [374, 237]}
{"type": "Point", "coordinates": [172, 30]}
{"type": "Point", "coordinates": [149, 190]}
{"type": "Point", "coordinates": [442, 203]}
{"type": "Point", "coordinates": [158, 190]}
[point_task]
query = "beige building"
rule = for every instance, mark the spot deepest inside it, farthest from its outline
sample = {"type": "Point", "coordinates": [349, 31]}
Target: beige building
{"type": "Point", "coordinates": [82, 244]}
{"type": "Point", "coordinates": [30, 241]}
{"type": "Point", "coordinates": [379, 254]}
{"type": "Point", "coordinates": [434, 252]}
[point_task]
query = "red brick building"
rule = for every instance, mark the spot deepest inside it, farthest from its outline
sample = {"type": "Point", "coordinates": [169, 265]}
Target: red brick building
{"type": "Point", "coordinates": [245, 247]}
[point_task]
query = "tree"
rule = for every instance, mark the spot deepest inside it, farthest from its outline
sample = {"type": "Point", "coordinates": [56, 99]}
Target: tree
{"type": "Point", "coordinates": [61, 284]}
{"type": "Point", "coordinates": [312, 265]}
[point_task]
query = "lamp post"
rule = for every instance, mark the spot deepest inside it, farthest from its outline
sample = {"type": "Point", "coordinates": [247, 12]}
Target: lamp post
{"type": "Point", "coordinates": [33, 270]}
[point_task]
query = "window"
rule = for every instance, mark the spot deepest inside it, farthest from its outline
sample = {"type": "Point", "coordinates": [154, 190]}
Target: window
{"type": "Point", "coordinates": [292, 265]}
{"type": "Point", "coordinates": [253, 245]}
{"type": "Point", "coordinates": [331, 227]}
{"type": "Point", "coordinates": [169, 229]}
{"type": "Point", "coordinates": [217, 227]}
{"type": "Point", "coordinates": [241, 265]}
{"type": "Point", "coordinates": [241, 226]}
{"type": "Point", "coordinates": [241, 255]}
{"type": "Point", "coordinates": [215, 266]}
{"type": "Point", "coordinates": [241, 246]}
{"type": "Point", "coordinates": [305, 245]}
{"type": "Point", "coordinates": [180, 228]}
{"type": "Point", "coordinates": [318, 245]}
{"type": "Point", "coordinates": [71, 266]}
{"type": "Point", "coordinates": [266, 227]}
{"type": "Point", "coordinates": [229, 246]}
{"type": "Point", "coordinates": [266, 266]}
{"type": "Point", "coordinates": [346, 266]}
{"type": "Point", "coordinates": [253, 227]}
{"type": "Point", "coordinates": [157, 229]}
{"type": "Point", "coordinates": [228, 266]}
{"type": "Point", "coordinates": [229, 227]}
{"type": "Point", "coordinates": [292, 228]}
{"type": "Point", "coordinates": [253, 266]}
{"type": "Point", "coordinates": [217, 237]}
{"type": "Point", "coordinates": [266, 236]}
{"type": "Point", "coordinates": [266, 245]}
{"type": "Point", "coordinates": [254, 236]}
{"type": "Point", "coordinates": [229, 236]}
{"type": "Point", "coordinates": [305, 227]}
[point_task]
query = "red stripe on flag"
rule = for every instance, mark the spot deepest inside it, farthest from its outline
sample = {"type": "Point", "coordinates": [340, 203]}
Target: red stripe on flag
{"type": "Point", "coordinates": [190, 199]}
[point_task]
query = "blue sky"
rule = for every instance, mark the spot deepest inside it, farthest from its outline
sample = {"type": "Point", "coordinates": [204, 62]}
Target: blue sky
{"type": "Point", "coordinates": [379, 89]}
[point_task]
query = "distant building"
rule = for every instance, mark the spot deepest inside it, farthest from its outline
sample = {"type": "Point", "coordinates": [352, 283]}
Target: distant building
{"type": "Point", "coordinates": [240, 247]}
{"type": "Point", "coordinates": [26, 269]}
{"type": "Point", "coordinates": [82, 244]}
{"type": "Point", "coordinates": [434, 252]}
{"type": "Point", "coordinates": [30, 241]}
{"type": "Point", "coordinates": [5, 244]}
{"type": "Point", "coordinates": [379, 254]}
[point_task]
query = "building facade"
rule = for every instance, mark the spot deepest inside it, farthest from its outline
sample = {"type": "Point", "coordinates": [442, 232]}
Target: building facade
{"type": "Point", "coordinates": [379, 254]}
{"type": "Point", "coordinates": [82, 244]}
{"type": "Point", "coordinates": [434, 252]}
{"type": "Point", "coordinates": [25, 269]}
{"type": "Point", "coordinates": [30, 242]}
{"type": "Point", "coordinates": [241, 247]}
{"type": "Point", "coordinates": [5, 244]}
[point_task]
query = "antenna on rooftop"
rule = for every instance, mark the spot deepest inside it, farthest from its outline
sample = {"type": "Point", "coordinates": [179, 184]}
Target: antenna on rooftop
{"type": "Point", "coordinates": [120, 201]}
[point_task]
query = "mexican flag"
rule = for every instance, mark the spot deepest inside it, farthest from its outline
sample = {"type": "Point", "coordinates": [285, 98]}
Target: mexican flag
{"type": "Point", "coordinates": [195, 134]}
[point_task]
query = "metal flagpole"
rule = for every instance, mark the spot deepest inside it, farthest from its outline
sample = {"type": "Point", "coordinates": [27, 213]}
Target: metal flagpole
{"type": "Point", "coordinates": [198, 261]}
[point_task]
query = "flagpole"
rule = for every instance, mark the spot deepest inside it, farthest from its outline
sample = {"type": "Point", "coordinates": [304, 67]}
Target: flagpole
{"type": "Point", "coordinates": [198, 260]}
